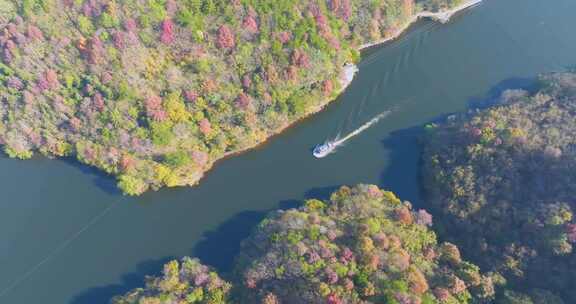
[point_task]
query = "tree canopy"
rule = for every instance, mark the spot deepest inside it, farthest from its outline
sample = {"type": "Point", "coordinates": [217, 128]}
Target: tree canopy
{"type": "Point", "coordinates": [127, 85]}
{"type": "Point", "coordinates": [501, 181]}
{"type": "Point", "coordinates": [363, 245]}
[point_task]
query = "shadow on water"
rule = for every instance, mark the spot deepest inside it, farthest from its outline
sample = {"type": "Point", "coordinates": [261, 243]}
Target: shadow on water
{"type": "Point", "coordinates": [100, 179]}
{"type": "Point", "coordinates": [218, 248]}
{"type": "Point", "coordinates": [104, 294]}
{"type": "Point", "coordinates": [491, 98]}
{"type": "Point", "coordinates": [322, 193]}
{"type": "Point", "coordinates": [400, 175]}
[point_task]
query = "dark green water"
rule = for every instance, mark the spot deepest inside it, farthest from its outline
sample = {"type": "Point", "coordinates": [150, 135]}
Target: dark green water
{"type": "Point", "coordinates": [66, 236]}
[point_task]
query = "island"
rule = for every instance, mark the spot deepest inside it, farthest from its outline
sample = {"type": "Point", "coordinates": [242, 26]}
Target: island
{"type": "Point", "coordinates": [155, 92]}
{"type": "Point", "coordinates": [362, 245]}
{"type": "Point", "coordinates": [501, 184]}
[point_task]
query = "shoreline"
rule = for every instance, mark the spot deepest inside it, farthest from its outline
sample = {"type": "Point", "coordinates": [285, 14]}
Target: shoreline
{"type": "Point", "coordinates": [441, 16]}
{"type": "Point", "coordinates": [346, 77]}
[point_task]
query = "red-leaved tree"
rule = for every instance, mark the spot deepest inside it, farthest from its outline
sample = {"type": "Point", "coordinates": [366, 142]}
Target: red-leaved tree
{"type": "Point", "coordinates": [225, 38]}
{"type": "Point", "coordinates": [167, 36]}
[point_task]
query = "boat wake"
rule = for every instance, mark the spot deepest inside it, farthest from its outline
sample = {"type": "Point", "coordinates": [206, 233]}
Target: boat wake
{"type": "Point", "coordinates": [330, 146]}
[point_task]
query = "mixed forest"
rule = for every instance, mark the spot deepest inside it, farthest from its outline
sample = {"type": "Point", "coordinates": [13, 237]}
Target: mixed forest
{"type": "Point", "coordinates": [155, 91]}
{"type": "Point", "coordinates": [362, 245]}
{"type": "Point", "coordinates": [501, 183]}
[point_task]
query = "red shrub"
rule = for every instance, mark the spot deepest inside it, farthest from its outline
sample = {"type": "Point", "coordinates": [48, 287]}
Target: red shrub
{"type": "Point", "coordinates": [87, 9]}
{"type": "Point", "coordinates": [246, 81]}
{"type": "Point", "coordinates": [292, 73]}
{"type": "Point", "coordinates": [75, 123]}
{"type": "Point", "coordinates": [333, 299]}
{"type": "Point", "coordinates": [404, 216]}
{"type": "Point", "coordinates": [153, 102]}
{"type": "Point", "coordinates": [28, 97]}
{"type": "Point", "coordinates": [442, 294]}
{"type": "Point", "coordinates": [167, 36]}
{"type": "Point", "coordinates": [571, 231]}
{"type": "Point", "coordinates": [42, 83]}
{"type": "Point", "coordinates": [457, 285]}
{"type": "Point", "coordinates": [331, 276]}
{"type": "Point", "coordinates": [250, 24]}
{"type": "Point", "coordinates": [327, 87]}
{"type": "Point", "coordinates": [408, 7]}
{"type": "Point", "coordinates": [158, 115]}
{"type": "Point", "coordinates": [15, 83]}
{"type": "Point", "coordinates": [423, 218]}
{"type": "Point", "coordinates": [225, 38]}
{"type": "Point", "coordinates": [209, 85]}
{"type": "Point", "coordinates": [35, 33]}
{"type": "Point", "coordinates": [200, 157]}
{"type": "Point", "coordinates": [7, 56]}
{"type": "Point", "coordinates": [98, 101]}
{"type": "Point", "coordinates": [250, 283]}
{"type": "Point", "coordinates": [322, 23]}
{"type": "Point", "coordinates": [300, 59]}
{"type": "Point", "coordinates": [346, 10]}
{"type": "Point", "coordinates": [127, 162]}
{"type": "Point", "coordinates": [205, 126]}
{"type": "Point", "coordinates": [130, 25]}
{"type": "Point", "coordinates": [52, 79]}
{"type": "Point", "coordinates": [106, 77]}
{"type": "Point", "coordinates": [10, 46]}
{"type": "Point", "coordinates": [334, 5]}
{"type": "Point", "coordinates": [418, 282]}
{"type": "Point", "coordinates": [284, 37]}
{"type": "Point", "coordinates": [12, 29]}
{"type": "Point", "coordinates": [154, 108]}
{"type": "Point", "coordinates": [334, 43]}
{"type": "Point", "coordinates": [190, 96]}
{"type": "Point", "coordinates": [243, 101]}
{"type": "Point", "coordinates": [119, 40]}
{"type": "Point", "coordinates": [96, 50]}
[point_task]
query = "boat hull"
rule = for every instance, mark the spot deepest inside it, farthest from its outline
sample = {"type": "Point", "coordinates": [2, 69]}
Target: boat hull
{"type": "Point", "coordinates": [323, 150]}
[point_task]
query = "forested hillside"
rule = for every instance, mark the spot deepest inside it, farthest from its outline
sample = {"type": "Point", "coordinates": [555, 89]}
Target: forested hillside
{"type": "Point", "coordinates": [155, 91]}
{"type": "Point", "coordinates": [503, 184]}
{"type": "Point", "coordinates": [363, 245]}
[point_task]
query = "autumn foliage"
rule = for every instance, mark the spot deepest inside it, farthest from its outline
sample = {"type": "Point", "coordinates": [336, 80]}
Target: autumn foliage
{"type": "Point", "coordinates": [353, 248]}
{"type": "Point", "coordinates": [349, 249]}
{"type": "Point", "coordinates": [152, 78]}
{"type": "Point", "coordinates": [501, 181]}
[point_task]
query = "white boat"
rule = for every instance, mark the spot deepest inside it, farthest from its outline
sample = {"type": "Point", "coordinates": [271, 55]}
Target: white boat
{"type": "Point", "coordinates": [323, 149]}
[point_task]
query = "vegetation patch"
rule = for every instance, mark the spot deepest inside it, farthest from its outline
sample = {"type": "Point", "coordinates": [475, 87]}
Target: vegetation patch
{"type": "Point", "coordinates": [155, 91]}
{"type": "Point", "coordinates": [502, 183]}
{"type": "Point", "coordinates": [363, 245]}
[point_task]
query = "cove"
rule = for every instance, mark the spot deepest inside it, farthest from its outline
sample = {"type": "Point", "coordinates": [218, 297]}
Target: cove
{"type": "Point", "coordinates": [67, 236]}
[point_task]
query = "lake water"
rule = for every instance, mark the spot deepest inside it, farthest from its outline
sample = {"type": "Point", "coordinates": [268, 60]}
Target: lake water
{"type": "Point", "coordinates": [67, 236]}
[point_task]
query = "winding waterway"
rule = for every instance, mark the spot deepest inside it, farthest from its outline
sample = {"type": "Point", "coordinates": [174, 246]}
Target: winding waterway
{"type": "Point", "coordinates": [67, 236]}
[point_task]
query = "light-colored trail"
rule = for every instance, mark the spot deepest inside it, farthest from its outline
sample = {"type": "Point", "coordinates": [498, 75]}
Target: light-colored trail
{"type": "Point", "coordinates": [340, 141]}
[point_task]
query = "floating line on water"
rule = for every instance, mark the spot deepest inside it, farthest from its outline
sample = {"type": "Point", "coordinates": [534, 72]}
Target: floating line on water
{"type": "Point", "coordinates": [58, 249]}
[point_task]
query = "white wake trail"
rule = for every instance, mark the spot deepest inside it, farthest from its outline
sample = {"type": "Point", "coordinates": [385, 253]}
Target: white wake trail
{"type": "Point", "coordinates": [362, 128]}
